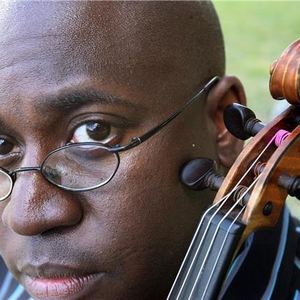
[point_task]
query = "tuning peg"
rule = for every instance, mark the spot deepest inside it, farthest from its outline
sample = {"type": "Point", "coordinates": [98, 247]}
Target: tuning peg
{"type": "Point", "coordinates": [291, 184]}
{"type": "Point", "coordinates": [199, 174]}
{"type": "Point", "coordinates": [241, 121]}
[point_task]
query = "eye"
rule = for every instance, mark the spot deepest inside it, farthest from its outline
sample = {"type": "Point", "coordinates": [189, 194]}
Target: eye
{"type": "Point", "coordinates": [5, 146]}
{"type": "Point", "coordinates": [10, 152]}
{"type": "Point", "coordinates": [94, 131]}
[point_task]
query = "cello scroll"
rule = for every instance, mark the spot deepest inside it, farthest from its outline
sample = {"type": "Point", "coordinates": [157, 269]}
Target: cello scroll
{"type": "Point", "coordinates": [285, 75]}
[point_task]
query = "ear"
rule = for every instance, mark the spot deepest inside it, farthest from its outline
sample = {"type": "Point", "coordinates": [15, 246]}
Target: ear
{"type": "Point", "coordinates": [228, 90]}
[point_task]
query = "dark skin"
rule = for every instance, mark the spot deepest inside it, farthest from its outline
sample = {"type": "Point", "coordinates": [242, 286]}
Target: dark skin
{"type": "Point", "coordinates": [133, 232]}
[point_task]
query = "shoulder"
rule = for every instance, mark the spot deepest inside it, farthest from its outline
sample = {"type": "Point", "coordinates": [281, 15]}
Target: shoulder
{"type": "Point", "coordinates": [295, 278]}
{"type": "Point", "coordinates": [268, 266]}
{"type": "Point", "coordinates": [9, 287]}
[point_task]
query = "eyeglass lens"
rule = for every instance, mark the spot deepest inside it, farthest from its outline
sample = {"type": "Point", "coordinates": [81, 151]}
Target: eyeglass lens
{"type": "Point", "coordinates": [80, 166]}
{"type": "Point", "coordinates": [5, 185]}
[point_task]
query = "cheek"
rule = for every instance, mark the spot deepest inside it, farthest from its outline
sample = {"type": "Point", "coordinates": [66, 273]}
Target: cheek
{"type": "Point", "coordinates": [143, 197]}
{"type": "Point", "coordinates": [145, 200]}
{"type": "Point", "coordinates": [8, 245]}
{"type": "Point", "coordinates": [150, 216]}
{"type": "Point", "coordinates": [145, 205]}
{"type": "Point", "coordinates": [2, 231]}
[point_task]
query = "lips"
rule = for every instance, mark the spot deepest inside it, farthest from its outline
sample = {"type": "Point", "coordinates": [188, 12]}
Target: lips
{"type": "Point", "coordinates": [50, 281]}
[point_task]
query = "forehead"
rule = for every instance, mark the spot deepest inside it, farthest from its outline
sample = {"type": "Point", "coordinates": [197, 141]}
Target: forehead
{"type": "Point", "coordinates": [125, 46]}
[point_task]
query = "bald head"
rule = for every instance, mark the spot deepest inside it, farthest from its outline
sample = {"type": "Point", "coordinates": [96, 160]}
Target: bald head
{"type": "Point", "coordinates": [156, 42]}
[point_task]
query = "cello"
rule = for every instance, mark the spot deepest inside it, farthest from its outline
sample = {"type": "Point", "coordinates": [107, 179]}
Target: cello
{"type": "Point", "coordinates": [252, 195]}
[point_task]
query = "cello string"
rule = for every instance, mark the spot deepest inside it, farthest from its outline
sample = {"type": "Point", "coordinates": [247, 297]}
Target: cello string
{"type": "Point", "coordinates": [209, 222]}
{"type": "Point", "coordinates": [215, 234]}
{"type": "Point", "coordinates": [200, 244]}
{"type": "Point", "coordinates": [193, 241]}
{"type": "Point", "coordinates": [224, 199]}
{"type": "Point", "coordinates": [278, 139]}
{"type": "Point", "coordinates": [221, 249]}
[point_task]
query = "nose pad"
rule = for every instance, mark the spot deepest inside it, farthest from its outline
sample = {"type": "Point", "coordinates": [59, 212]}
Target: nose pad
{"type": "Point", "coordinates": [36, 206]}
{"type": "Point", "coordinates": [52, 174]}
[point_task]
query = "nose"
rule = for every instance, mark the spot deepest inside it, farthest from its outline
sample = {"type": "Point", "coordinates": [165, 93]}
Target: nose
{"type": "Point", "coordinates": [35, 206]}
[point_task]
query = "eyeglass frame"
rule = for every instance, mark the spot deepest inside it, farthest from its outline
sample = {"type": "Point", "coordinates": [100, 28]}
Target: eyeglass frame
{"type": "Point", "coordinates": [135, 141]}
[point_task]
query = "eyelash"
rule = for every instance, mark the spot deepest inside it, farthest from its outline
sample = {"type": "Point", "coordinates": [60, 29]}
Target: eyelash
{"type": "Point", "coordinates": [112, 135]}
{"type": "Point", "coordinates": [12, 156]}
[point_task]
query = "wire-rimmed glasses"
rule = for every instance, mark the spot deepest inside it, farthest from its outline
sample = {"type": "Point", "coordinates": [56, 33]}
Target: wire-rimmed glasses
{"type": "Point", "coordinates": [79, 167]}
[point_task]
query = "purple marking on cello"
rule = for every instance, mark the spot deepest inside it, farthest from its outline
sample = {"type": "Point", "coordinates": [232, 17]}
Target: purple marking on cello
{"type": "Point", "coordinates": [280, 136]}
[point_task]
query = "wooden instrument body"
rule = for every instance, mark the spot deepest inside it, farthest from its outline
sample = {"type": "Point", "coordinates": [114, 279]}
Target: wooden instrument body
{"type": "Point", "coordinates": [284, 159]}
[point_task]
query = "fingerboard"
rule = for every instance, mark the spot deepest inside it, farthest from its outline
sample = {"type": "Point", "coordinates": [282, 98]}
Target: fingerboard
{"type": "Point", "coordinates": [201, 278]}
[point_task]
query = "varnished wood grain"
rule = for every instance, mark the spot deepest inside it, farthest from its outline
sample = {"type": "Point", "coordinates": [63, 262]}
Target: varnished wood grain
{"type": "Point", "coordinates": [279, 160]}
{"type": "Point", "coordinates": [285, 78]}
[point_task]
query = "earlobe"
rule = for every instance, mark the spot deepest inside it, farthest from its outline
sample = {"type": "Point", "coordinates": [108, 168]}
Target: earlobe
{"type": "Point", "coordinates": [228, 90]}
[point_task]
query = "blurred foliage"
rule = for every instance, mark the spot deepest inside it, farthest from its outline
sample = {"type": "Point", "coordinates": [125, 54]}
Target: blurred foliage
{"type": "Point", "coordinates": [255, 34]}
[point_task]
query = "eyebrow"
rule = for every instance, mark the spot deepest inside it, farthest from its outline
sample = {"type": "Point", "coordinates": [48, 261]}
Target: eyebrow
{"type": "Point", "coordinates": [72, 100]}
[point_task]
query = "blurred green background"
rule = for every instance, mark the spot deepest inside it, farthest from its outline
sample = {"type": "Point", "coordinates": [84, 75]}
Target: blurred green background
{"type": "Point", "coordinates": [255, 34]}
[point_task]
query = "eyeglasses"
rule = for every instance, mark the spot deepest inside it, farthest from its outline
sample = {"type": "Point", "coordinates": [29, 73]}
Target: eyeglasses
{"type": "Point", "coordinates": [86, 166]}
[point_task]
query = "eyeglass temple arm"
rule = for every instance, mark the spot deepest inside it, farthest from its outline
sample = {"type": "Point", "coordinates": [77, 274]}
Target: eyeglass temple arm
{"type": "Point", "coordinates": [138, 140]}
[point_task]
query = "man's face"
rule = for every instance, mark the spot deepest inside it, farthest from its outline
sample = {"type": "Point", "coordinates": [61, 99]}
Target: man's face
{"type": "Point", "coordinates": [124, 240]}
